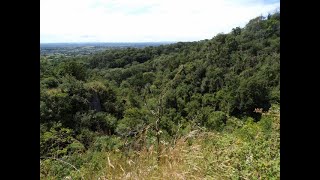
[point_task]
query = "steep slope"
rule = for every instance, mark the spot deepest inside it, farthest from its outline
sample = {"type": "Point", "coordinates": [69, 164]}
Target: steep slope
{"type": "Point", "coordinates": [130, 100]}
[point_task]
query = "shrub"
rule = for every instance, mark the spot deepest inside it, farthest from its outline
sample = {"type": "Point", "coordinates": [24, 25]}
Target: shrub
{"type": "Point", "coordinates": [86, 137]}
{"type": "Point", "coordinates": [249, 131]}
{"type": "Point", "coordinates": [50, 82]}
{"type": "Point", "coordinates": [107, 143]}
{"type": "Point", "coordinates": [56, 142]}
{"type": "Point", "coordinates": [216, 120]}
{"type": "Point", "coordinates": [233, 124]}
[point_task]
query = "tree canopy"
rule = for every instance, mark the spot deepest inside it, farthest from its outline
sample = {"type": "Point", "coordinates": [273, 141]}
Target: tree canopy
{"type": "Point", "coordinates": [94, 101]}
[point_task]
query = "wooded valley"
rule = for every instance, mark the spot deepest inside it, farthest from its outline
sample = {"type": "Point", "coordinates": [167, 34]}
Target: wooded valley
{"type": "Point", "coordinates": [189, 110]}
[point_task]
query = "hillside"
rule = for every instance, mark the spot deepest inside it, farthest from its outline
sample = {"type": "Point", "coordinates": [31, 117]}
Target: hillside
{"type": "Point", "coordinates": [185, 110]}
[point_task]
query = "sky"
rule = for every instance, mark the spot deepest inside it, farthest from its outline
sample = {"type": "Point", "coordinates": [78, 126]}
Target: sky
{"type": "Point", "coordinates": [145, 20]}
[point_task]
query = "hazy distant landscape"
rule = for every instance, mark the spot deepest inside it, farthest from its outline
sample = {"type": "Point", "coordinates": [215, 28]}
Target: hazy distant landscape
{"type": "Point", "coordinates": [85, 48]}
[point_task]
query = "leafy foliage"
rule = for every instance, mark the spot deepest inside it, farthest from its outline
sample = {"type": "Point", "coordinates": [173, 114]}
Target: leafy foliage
{"type": "Point", "coordinates": [98, 107]}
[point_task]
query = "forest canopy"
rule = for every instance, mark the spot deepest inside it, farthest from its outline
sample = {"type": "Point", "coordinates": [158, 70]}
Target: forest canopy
{"type": "Point", "coordinates": [104, 101]}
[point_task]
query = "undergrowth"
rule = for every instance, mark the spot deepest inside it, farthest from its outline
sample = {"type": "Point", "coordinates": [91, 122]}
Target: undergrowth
{"type": "Point", "coordinates": [243, 150]}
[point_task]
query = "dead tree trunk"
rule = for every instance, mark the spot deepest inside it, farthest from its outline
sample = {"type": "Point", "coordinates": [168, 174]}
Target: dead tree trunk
{"type": "Point", "coordinates": [158, 115]}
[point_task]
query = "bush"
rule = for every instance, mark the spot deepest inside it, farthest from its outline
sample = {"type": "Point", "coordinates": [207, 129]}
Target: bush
{"type": "Point", "coordinates": [107, 143]}
{"type": "Point", "coordinates": [86, 137]}
{"type": "Point", "coordinates": [50, 82]}
{"type": "Point", "coordinates": [266, 124]}
{"type": "Point", "coordinates": [56, 142]}
{"type": "Point", "coordinates": [233, 124]}
{"type": "Point", "coordinates": [98, 121]}
{"type": "Point", "coordinates": [216, 120]}
{"type": "Point", "coordinates": [249, 131]}
{"type": "Point", "coordinates": [75, 147]}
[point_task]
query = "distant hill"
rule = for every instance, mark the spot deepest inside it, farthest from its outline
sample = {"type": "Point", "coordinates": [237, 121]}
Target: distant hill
{"type": "Point", "coordinates": [105, 44]}
{"type": "Point", "coordinates": [84, 48]}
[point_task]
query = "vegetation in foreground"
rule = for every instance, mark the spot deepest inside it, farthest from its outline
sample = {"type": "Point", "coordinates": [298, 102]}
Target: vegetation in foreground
{"type": "Point", "coordinates": [186, 110]}
{"type": "Point", "coordinates": [245, 150]}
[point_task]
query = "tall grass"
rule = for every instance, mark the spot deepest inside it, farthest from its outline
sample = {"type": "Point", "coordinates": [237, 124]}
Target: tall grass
{"type": "Point", "coordinates": [250, 151]}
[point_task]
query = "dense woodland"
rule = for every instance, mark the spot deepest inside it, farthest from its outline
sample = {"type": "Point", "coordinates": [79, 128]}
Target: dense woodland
{"type": "Point", "coordinates": [137, 112]}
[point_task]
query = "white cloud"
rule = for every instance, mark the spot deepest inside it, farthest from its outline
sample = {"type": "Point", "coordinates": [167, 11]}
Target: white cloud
{"type": "Point", "coordinates": [144, 20]}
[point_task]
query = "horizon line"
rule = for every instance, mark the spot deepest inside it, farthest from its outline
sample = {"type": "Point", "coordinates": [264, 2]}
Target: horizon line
{"type": "Point", "coordinates": [112, 42]}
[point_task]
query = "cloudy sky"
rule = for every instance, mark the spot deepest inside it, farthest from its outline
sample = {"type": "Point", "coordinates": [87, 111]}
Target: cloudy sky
{"type": "Point", "coordinates": [145, 20]}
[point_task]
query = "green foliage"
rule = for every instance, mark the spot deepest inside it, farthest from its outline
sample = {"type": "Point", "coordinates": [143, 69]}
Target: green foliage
{"type": "Point", "coordinates": [249, 131]}
{"type": "Point", "coordinates": [72, 68]}
{"type": "Point", "coordinates": [104, 95]}
{"type": "Point", "coordinates": [86, 137]}
{"type": "Point", "coordinates": [117, 103]}
{"type": "Point", "coordinates": [253, 94]}
{"type": "Point", "coordinates": [58, 141]}
{"type": "Point", "coordinates": [233, 124]}
{"type": "Point", "coordinates": [216, 120]}
{"type": "Point", "coordinates": [107, 143]}
{"type": "Point", "coordinates": [204, 155]}
{"type": "Point", "coordinates": [134, 120]}
{"type": "Point", "coordinates": [97, 121]}
{"type": "Point", "coordinates": [50, 82]}
{"type": "Point", "coordinates": [54, 105]}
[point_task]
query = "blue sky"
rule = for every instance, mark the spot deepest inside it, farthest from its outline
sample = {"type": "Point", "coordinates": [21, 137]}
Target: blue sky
{"type": "Point", "coordinates": [145, 20]}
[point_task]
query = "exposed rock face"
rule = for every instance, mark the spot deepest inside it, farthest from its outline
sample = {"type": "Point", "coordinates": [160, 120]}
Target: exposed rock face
{"type": "Point", "coordinates": [95, 102]}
